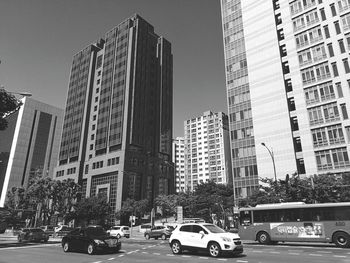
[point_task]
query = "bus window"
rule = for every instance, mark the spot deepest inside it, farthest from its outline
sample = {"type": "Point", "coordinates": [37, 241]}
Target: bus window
{"type": "Point", "coordinates": [246, 218]}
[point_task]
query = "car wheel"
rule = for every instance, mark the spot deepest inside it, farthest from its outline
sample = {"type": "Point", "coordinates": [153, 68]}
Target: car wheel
{"type": "Point", "coordinates": [90, 249]}
{"type": "Point", "coordinates": [214, 249]}
{"type": "Point", "coordinates": [263, 238]}
{"type": "Point", "coordinates": [19, 238]}
{"type": "Point", "coordinates": [118, 236]}
{"type": "Point", "coordinates": [176, 247]}
{"type": "Point", "coordinates": [66, 247]}
{"type": "Point", "coordinates": [163, 237]}
{"type": "Point", "coordinates": [341, 239]}
{"type": "Point", "coordinates": [147, 236]}
{"type": "Point", "coordinates": [156, 238]}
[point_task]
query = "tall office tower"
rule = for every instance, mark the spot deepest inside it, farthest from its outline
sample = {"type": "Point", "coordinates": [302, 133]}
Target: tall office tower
{"type": "Point", "coordinates": [29, 145]}
{"type": "Point", "coordinates": [287, 67]}
{"type": "Point", "coordinates": [207, 151]}
{"type": "Point", "coordinates": [179, 161]}
{"type": "Point", "coordinates": [117, 131]}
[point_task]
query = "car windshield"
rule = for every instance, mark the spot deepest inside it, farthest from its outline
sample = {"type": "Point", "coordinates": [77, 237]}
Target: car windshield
{"type": "Point", "coordinates": [214, 229]}
{"type": "Point", "coordinates": [96, 231]}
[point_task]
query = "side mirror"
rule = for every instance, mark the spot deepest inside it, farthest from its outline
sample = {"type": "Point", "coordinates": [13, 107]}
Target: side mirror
{"type": "Point", "coordinates": [202, 233]}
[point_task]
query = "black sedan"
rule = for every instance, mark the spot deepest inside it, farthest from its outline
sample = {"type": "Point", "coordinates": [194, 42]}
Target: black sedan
{"type": "Point", "coordinates": [91, 239]}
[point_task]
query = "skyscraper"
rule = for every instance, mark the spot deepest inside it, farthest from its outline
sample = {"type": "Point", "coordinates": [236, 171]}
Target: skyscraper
{"type": "Point", "coordinates": [29, 146]}
{"type": "Point", "coordinates": [207, 151]}
{"type": "Point", "coordinates": [287, 75]}
{"type": "Point", "coordinates": [117, 131]}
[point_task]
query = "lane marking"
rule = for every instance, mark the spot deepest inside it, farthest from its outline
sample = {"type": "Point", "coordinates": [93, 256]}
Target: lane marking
{"type": "Point", "coordinates": [257, 251]}
{"type": "Point", "coordinates": [121, 256]}
{"type": "Point", "coordinates": [325, 252]}
{"type": "Point", "coordinates": [293, 253]}
{"type": "Point", "coordinates": [170, 255]}
{"type": "Point", "coordinates": [156, 254]}
{"type": "Point", "coordinates": [242, 261]}
{"type": "Point", "coordinates": [110, 258]}
{"type": "Point", "coordinates": [37, 246]}
{"type": "Point", "coordinates": [222, 259]}
{"type": "Point", "coordinates": [185, 256]}
{"type": "Point", "coordinates": [338, 256]}
{"type": "Point", "coordinates": [97, 262]}
{"type": "Point", "coordinates": [338, 248]}
{"type": "Point", "coordinates": [144, 252]}
{"type": "Point", "coordinates": [315, 255]}
{"type": "Point", "coordinates": [275, 252]}
{"type": "Point", "coordinates": [203, 258]}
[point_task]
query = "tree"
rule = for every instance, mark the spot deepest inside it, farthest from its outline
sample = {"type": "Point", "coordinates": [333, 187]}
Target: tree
{"type": "Point", "coordinates": [133, 207]}
{"type": "Point", "coordinates": [322, 188]}
{"type": "Point", "coordinates": [167, 204]}
{"type": "Point", "coordinates": [8, 104]}
{"type": "Point", "coordinates": [91, 208]}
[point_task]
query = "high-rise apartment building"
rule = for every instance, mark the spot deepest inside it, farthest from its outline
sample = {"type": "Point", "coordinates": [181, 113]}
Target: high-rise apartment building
{"type": "Point", "coordinates": [29, 145]}
{"type": "Point", "coordinates": [207, 151]}
{"type": "Point", "coordinates": [179, 161]}
{"type": "Point", "coordinates": [287, 79]}
{"type": "Point", "coordinates": [117, 131]}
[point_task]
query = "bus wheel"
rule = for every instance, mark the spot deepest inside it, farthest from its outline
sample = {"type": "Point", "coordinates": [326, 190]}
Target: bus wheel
{"type": "Point", "coordinates": [341, 239]}
{"type": "Point", "coordinates": [263, 238]}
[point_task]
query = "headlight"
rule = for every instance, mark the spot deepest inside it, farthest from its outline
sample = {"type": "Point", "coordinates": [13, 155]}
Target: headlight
{"type": "Point", "coordinates": [99, 242]}
{"type": "Point", "coordinates": [226, 239]}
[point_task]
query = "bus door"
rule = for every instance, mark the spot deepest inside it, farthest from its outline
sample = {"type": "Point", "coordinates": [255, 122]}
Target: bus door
{"type": "Point", "coordinates": [246, 229]}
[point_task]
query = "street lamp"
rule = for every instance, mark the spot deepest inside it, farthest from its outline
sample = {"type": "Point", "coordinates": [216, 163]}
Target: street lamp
{"type": "Point", "coordinates": [273, 159]}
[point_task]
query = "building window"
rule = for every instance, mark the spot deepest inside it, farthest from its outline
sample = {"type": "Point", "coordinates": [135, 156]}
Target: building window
{"type": "Point", "coordinates": [337, 27]}
{"type": "Point", "coordinates": [341, 46]}
{"type": "Point", "coordinates": [95, 108]}
{"type": "Point", "coordinates": [335, 69]}
{"type": "Point", "coordinates": [330, 50]}
{"type": "Point", "coordinates": [334, 12]}
{"type": "Point", "coordinates": [93, 127]}
{"type": "Point", "coordinates": [98, 81]}
{"type": "Point", "coordinates": [92, 136]}
{"type": "Point", "coordinates": [344, 111]}
{"type": "Point", "coordinates": [346, 65]}
{"type": "Point", "coordinates": [91, 146]}
{"type": "Point", "coordinates": [94, 118]}
{"type": "Point", "coordinates": [339, 89]}
{"type": "Point", "coordinates": [323, 15]}
{"type": "Point", "coordinates": [347, 130]}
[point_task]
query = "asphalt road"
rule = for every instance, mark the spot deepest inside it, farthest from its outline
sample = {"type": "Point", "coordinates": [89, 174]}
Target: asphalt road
{"type": "Point", "coordinates": [138, 250]}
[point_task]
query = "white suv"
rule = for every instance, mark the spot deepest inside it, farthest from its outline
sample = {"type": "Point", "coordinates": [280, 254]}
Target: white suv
{"type": "Point", "coordinates": [119, 231]}
{"type": "Point", "coordinates": [204, 236]}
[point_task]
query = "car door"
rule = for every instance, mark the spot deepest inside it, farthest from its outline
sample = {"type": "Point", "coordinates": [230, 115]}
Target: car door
{"type": "Point", "coordinates": [198, 237]}
{"type": "Point", "coordinates": [184, 235]}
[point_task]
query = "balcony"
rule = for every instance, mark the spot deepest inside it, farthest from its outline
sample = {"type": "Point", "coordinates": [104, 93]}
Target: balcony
{"type": "Point", "coordinates": [324, 76]}
{"type": "Point", "coordinates": [316, 121]}
{"type": "Point", "coordinates": [316, 39]}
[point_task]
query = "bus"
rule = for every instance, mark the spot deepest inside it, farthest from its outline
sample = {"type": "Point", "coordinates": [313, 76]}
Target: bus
{"type": "Point", "coordinates": [4, 215]}
{"type": "Point", "coordinates": [296, 222]}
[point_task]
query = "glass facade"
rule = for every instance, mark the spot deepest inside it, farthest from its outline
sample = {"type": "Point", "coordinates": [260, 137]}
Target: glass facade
{"type": "Point", "coordinates": [243, 154]}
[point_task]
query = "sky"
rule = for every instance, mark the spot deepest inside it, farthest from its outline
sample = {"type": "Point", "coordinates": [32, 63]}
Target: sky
{"type": "Point", "coordinates": [38, 39]}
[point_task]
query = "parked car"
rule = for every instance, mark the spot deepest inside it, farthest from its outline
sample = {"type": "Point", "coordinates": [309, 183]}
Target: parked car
{"type": "Point", "coordinates": [156, 232]}
{"type": "Point", "coordinates": [62, 230]}
{"type": "Point", "coordinates": [32, 234]}
{"type": "Point", "coordinates": [144, 228]}
{"type": "Point", "coordinates": [50, 230]}
{"type": "Point", "coordinates": [205, 236]}
{"type": "Point", "coordinates": [119, 231]}
{"type": "Point", "coordinates": [91, 239]}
